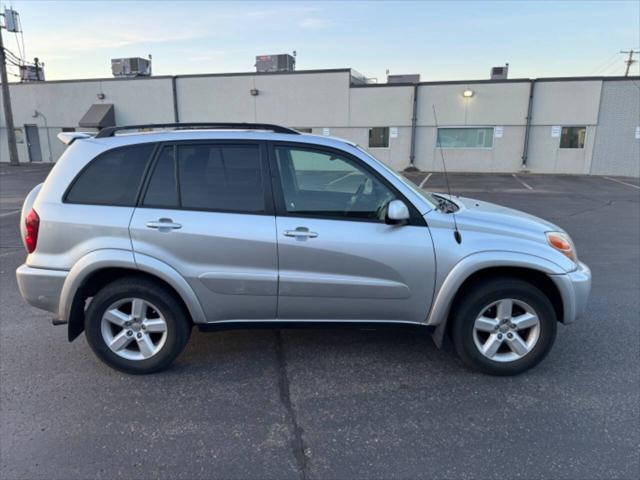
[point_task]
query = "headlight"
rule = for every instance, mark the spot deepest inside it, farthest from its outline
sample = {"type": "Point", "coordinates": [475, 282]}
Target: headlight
{"type": "Point", "coordinates": [562, 242]}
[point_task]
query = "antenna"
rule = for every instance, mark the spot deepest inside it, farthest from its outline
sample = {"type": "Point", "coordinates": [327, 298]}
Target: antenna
{"type": "Point", "coordinates": [456, 232]}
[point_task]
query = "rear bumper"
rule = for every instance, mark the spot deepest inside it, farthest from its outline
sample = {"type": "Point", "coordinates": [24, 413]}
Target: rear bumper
{"type": "Point", "coordinates": [575, 288]}
{"type": "Point", "coordinates": [41, 287]}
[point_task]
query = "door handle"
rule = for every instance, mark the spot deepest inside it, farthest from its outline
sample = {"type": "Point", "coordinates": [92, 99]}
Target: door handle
{"type": "Point", "coordinates": [164, 224]}
{"type": "Point", "coordinates": [300, 233]}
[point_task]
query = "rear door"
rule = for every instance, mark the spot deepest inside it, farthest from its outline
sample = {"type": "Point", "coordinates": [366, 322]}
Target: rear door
{"type": "Point", "coordinates": [338, 258]}
{"type": "Point", "coordinates": [207, 211]}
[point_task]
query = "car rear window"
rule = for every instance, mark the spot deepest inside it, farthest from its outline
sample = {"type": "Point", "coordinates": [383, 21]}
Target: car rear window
{"type": "Point", "coordinates": [112, 178]}
{"type": "Point", "coordinates": [221, 178]}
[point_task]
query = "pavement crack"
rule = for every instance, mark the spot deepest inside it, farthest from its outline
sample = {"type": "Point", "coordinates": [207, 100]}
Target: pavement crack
{"type": "Point", "coordinates": [588, 210]}
{"type": "Point", "coordinates": [297, 442]}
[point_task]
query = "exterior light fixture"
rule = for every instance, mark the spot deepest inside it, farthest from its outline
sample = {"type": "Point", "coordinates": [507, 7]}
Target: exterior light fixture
{"type": "Point", "coordinates": [100, 96]}
{"type": "Point", "coordinates": [254, 91]}
{"type": "Point", "coordinates": [468, 93]}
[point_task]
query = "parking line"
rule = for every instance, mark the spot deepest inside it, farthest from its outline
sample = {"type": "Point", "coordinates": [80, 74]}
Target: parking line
{"type": "Point", "coordinates": [425, 180]}
{"type": "Point", "coordinates": [522, 181]}
{"type": "Point", "coordinates": [623, 183]}
{"type": "Point", "coordinates": [8, 214]}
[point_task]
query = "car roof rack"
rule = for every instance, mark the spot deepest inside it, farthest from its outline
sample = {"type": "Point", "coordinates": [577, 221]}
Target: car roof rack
{"type": "Point", "coordinates": [111, 131]}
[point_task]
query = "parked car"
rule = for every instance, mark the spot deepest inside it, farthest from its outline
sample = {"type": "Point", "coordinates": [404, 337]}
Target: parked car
{"type": "Point", "coordinates": [136, 237]}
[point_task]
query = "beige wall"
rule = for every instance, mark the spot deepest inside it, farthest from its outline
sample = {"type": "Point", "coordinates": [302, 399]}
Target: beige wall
{"type": "Point", "coordinates": [563, 103]}
{"type": "Point", "coordinates": [492, 104]}
{"type": "Point", "coordinates": [505, 156]}
{"type": "Point", "coordinates": [380, 106]}
{"type": "Point", "coordinates": [301, 100]}
{"type": "Point", "coordinates": [326, 100]}
{"type": "Point", "coordinates": [566, 103]}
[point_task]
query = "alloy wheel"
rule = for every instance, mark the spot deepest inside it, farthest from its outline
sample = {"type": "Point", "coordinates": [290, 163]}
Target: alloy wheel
{"type": "Point", "coordinates": [506, 330]}
{"type": "Point", "coordinates": [134, 329]}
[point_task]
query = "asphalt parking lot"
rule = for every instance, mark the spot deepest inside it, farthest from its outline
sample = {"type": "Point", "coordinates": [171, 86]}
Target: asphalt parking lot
{"type": "Point", "coordinates": [340, 403]}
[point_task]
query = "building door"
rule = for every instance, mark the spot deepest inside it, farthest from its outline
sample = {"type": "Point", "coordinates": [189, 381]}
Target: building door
{"type": "Point", "coordinates": [33, 143]}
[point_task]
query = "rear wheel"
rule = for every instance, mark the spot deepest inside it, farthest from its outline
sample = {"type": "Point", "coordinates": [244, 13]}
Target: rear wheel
{"type": "Point", "coordinates": [136, 326]}
{"type": "Point", "coordinates": [503, 326]}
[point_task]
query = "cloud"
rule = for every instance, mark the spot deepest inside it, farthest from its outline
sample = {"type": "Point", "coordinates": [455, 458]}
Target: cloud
{"type": "Point", "coordinates": [314, 23]}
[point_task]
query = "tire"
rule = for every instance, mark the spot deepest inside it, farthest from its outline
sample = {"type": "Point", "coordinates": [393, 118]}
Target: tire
{"type": "Point", "coordinates": [144, 342]}
{"type": "Point", "coordinates": [474, 328]}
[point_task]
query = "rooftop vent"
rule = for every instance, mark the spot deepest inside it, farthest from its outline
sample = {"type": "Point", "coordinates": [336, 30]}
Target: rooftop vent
{"type": "Point", "coordinates": [500, 73]}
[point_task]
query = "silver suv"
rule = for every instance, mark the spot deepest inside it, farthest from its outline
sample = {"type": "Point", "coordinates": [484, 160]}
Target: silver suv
{"type": "Point", "coordinates": [136, 237]}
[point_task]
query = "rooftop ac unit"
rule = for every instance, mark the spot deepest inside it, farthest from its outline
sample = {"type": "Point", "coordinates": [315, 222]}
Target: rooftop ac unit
{"type": "Point", "coordinates": [500, 73]}
{"type": "Point", "coordinates": [275, 63]}
{"type": "Point", "coordinates": [31, 73]}
{"type": "Point", "coordinates": [405, 78]}
{"type": "Point", "coordinates": [131, 67]}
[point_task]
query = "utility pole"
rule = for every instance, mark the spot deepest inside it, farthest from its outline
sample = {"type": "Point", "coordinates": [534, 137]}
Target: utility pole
{"type": "Point", "coordinates": [6, 103]}
{"type": "Point", "coordinates": [629, 61]}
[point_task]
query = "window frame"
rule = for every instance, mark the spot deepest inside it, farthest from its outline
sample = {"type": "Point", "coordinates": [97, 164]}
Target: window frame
{"type": "Point", "coordinates": [269, 208]}
{"type": "Point", "coordinates": [388, 138]}
{"type": "Point", "coordinates": [415, 219]}
{"type": "Point", "coordinates": [143, 178]}
{"type": "Point", "coordinates": [584, 143]}
{"type": "Point", "coordinates": [466, 127]}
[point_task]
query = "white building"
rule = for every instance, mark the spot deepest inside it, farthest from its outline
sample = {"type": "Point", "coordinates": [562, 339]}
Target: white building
{"type": "Point", "coordinates": [584, 125]}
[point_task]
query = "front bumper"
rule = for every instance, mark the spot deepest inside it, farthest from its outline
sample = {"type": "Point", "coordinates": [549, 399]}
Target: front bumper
{"type": "Point", "coordinates": [574, 288]}
{"type": "Point", "coordinates": [41, 287]}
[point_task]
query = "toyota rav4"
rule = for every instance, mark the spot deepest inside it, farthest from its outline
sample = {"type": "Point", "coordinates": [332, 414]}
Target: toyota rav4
{"type": "Point", "coordinates": [135, 237]}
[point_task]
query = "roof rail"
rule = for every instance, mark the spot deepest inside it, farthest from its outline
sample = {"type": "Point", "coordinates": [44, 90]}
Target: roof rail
{"type": "Point", "coordinates": [110, 131]}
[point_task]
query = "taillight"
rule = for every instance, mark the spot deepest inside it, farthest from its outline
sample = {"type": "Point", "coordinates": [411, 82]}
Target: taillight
{"type": "Point", "coordinates": [32, 224]}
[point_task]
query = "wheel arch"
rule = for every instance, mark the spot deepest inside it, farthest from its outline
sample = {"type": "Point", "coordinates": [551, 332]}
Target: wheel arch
{"type": "Point", "coordinates": [99, 268]}
{"type": "Point", "coordinates": [478, 267]}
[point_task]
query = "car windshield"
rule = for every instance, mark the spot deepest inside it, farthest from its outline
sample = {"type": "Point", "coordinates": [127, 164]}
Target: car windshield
{"type": "Point", "coordinates": [412, 186]}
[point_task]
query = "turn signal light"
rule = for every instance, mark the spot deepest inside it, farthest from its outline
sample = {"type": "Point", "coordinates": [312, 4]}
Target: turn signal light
{"type": "Point", "coordinates": [562, 242]}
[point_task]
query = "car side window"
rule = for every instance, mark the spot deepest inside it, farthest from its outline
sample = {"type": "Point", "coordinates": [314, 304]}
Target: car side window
{"type": "Point", "coordinates": [221, 177]}
{"type": "Point", "coordinates": [162, 191]}
{"type": "Point", "coordinates": [325, 185]}
{"type": "Point", "coordinates": [112, 178]}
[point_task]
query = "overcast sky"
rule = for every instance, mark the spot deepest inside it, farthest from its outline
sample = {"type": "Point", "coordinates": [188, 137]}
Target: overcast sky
{"type": "Point", "coordinates": [440, 40]}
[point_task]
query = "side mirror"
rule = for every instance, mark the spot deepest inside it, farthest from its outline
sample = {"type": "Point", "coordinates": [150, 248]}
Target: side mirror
{"type": "Point", "coordinates": [397, 212]}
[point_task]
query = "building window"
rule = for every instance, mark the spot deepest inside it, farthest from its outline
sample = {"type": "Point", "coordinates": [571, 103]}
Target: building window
{"type": "Point", "coordinates": [573, 137]}
{"type": "Point", "coordinates": [68, 129]}
{"type": "Point", "coordinates": [19, 135]}
{"type": "Point", "coordinates": [465, 137]}
{"type": "Point", "coordinates": [379, 137]}
{"type": "Point", "coordinates": [303, 129]}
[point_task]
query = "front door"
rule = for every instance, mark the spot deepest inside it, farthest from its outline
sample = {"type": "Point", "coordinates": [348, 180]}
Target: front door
{"type": "Point", "coordinates": [33, 143]}
{"type": "Point", "coordinates": [207, 212]}
{"type": "Point", "coordinates": [338, 259]}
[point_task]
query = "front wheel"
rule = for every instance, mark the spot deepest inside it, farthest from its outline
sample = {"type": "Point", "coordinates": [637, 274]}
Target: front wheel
{"type": "Point", "coordinates": [503, 326]}
{"type": "Point", "coordinates": [136, 326]}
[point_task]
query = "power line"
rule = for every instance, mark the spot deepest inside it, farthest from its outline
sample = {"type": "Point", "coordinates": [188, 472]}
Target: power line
{"type": "Point", "coordinates": [603, 64]}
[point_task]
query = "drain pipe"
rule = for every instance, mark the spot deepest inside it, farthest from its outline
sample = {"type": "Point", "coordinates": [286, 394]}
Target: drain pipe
{"type": "Point", "coordinates": [527, 129]}
{"type": "Point", "coordinates": [414, 124]}
{"type": "Point", "coordinates": [176, 117]}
